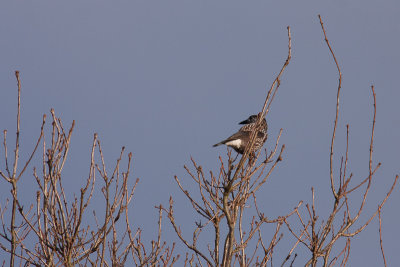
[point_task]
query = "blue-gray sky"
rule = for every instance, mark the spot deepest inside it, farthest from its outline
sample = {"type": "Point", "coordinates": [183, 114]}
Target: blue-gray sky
{"type": "Point", "coordinates": [167, 79]}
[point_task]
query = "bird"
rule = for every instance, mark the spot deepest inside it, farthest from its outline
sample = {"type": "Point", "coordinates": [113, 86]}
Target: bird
{"type": "Point", "coordinates": [239, 140]}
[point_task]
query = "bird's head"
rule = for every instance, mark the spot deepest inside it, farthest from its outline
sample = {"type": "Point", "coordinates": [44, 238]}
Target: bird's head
{"type": "Point", "coordinates": [251, 119]}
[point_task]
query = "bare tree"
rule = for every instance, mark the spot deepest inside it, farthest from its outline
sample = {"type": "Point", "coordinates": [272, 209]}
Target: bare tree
{"type": "Point", "coordinates": [224, 199]}
{"type": "Point", "coordinates": [321, 235]}
{"type": "Point", "coordinates": [62, 236]}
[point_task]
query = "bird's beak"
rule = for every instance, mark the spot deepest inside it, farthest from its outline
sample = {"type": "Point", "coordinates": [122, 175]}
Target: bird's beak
{"type": "Point", "coordinates": [244, 122]}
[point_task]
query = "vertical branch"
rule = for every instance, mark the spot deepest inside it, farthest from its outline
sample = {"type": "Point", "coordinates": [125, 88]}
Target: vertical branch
{"type": "Point", "coordinates": [380, 236]}
{"type": "Point", "coordinates": [265, 109]}
{"type": "Point", "coordinates": [243, 262]}
{"type": "Point", "coordinates": [13, 233]}
{"type": "Point", "coordinates": [5, 158]}
{"type": "Point", "coordinates": [277, 81]}
{"type": "Point", "coordinates": [337, 109]}
{"type": "Point", "coordinates": [13, 178]}
{"type": "Point", "coordinates": [16, 151]}
{"type": "Point", "coordinates": [371, 172]}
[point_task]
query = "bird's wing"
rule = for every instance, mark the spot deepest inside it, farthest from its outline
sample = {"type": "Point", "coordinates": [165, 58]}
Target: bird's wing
{"type": "Point", "coordinates": [240, 134]}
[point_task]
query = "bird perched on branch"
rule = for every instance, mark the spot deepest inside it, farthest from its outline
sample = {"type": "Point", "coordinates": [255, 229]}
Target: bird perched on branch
{"type": "Point", "coordinates": [239, 141]}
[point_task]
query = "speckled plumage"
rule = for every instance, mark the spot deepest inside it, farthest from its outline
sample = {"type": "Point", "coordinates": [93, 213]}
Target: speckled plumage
{"type": "Point", "coordinates": [239, 140]}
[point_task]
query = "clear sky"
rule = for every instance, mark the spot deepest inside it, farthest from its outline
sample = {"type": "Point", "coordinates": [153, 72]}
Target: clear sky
{"type": "Point", "coordinates": [167, 79]}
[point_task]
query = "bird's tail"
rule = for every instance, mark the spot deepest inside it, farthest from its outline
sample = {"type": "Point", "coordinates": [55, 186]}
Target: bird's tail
{"type": "Point", "coordinates": [220, 143]}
